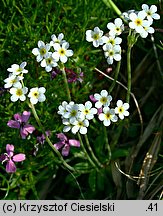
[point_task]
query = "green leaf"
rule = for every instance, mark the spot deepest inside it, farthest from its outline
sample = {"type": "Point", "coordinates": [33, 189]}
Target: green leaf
{"type": "Point", "coordinates": [92, 180]}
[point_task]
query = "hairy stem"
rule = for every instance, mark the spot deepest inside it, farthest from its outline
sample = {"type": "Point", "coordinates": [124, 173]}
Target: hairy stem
{"type": "Point", "coordinates": [91, 151]}
{"type": "Point", "coordinates": [67, 166]}
{"type": "Point", "coordinates": [66, 84]}
{"type": "Point", "coordinates": [115, 77]}
{"type": "Point", "coordinates": [86, 154]}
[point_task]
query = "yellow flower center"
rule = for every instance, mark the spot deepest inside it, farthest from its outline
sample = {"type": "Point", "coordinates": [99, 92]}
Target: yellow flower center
{"type": "Point", "coordinates": [86, 111]}
{"type": "Point", "coordinates": [112, 41]}
{"type": "Point", "coordinates": [103, 100]}
{"type": "Point", "coordinates": [96, 36]}
{"type": "Point", "coordinates": [19, 92]}
{"type": "Point", "coordinates": [35, 94]}
{"type": "Point", "coordinates": [43, 51]}
{"type": "Point", "coordinates": [80, 124]}
{"type": "Point", "coordinates": [73, 113]}
{"type": "Point", "coordinates": [120, 109]}
{"type": "Point", "coordinates": [49, 61]}
{"type": "Point", "coordinates": [138, 22]}
{"type": "Point", "coordinates": [108, 115]}
{"type": "Point", "coordinates": [62, 51]}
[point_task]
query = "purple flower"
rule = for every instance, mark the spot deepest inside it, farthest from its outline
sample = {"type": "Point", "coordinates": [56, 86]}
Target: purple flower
{"type": "Point", "coordinates": [11, 158]}
{"type": "Point", "coordinates": [73, 77]}
{"type": "Point", "coordinates": [65, 144]}
{"type": "Point", "coordinates": [55, 72]}
{"type": "Point", "coordinates": [41, 139]}
{"type": "Point", "coordinates": [20, 122]}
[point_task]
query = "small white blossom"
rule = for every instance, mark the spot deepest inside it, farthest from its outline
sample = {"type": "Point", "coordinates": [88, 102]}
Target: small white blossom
{"type": "Point", "coordinates": [103, 99]}
{"type": "Point", "coordinates": [37, 95]}
{"type": "Point", "coordinates": [126, 14]}
{"type": "Point", "coordinates": [56, 39]}
{"type": "Point", "coordinates": [112, 53]}
{"type": "Point", "coordinates": [80, 125]}
{"type": "Point", "coordinates": [138, 21]}
{"type": "Point", "coordinates": [151, 12]}
{"type": "Point", "coordinates": [62, 108]}
{"type": "Point", "coordinates": [41, 51]}
{"type": "Point", "coordinates": [12, 80]}
{"type": "Point", "coordinates": [67, 124]}
{"type": "Point", "coordinates": [113, 40]}
{"type": "Point", "coordinates": [16, 69]}
{"type": "Point", "coordinates": [18, 93]}
{"type": "Point", "coordinates": [49, 62]}
{"type": "Point", "coordinates": [107, 116]}
{"type": "Point", "coordinates": [115, 28]}
{"type": "Point", "coordinates": [62, 52]}
{"type": "Point", "coordinates": [147, 29]}
{"type": "Point", "coordinates": [121, 109]}
{"type": "Point", "coordinates": [87, 111]}
{"type": "Point", "coordinates": [95, 36]}
{"type": "Point", "coordinates": [72, 111]}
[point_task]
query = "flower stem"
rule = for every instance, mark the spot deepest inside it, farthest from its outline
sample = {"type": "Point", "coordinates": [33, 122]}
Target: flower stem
{"type": "Point", "coordinates": [116, 76]}
{"type": "Point", "coordinates": [128, 74]}
{"type": "Point", "coordinates": [86, 154]}
{"type": "Point", "coordinates": [111, 4]}
{"type": "Point", "coordinates": [67, 166]}
{"type": "Point", "coordinates": [66, 84]}
{"type": "Point", "coordinates": [107, 143]}
{"type": "Point", "coordinates": [91, 151]}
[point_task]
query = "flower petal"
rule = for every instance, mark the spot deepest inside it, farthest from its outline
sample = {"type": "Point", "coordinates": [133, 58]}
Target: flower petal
{"type": "Point", "coordinates": [74, 142]}
{"type": "Point", "coordinates": [10, 167]}
{"type": "Point", "coordinates": [13, 124]}
{"type": "Point", "coordinates": [19, 157]}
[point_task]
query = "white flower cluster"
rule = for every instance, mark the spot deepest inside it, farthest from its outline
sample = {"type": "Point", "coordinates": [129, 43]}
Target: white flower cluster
{"type": "Point", "coordinates": [111, 43]}
{"type": "Point", "coordinates": [140, 22]}
{"type": "Point", "coordinates": [76, 117]}
{"type": "Point", "coordinates": [50, 59]}
{"type": "Point", "coordinates": [16, 87]}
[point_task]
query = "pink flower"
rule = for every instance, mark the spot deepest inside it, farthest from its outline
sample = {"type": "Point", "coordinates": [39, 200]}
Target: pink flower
{"type": "Point", "coordinates": [20, 122]}
{"type": "Point", "coordinates": [73, 77]}
{"type": "Point", "coordinates": [11, 158]}
{"type": "Point", "coordinates": [41, 138]}
{"type": "Point", "coordinates": [65, 144]}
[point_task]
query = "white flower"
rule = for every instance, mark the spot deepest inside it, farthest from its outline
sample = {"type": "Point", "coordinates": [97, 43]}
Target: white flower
{"type": "Point", "coordinates": [41, 51]}
{"type": "Point", "coordinates": [16, 69]}
{"type": "Point", "coordinates": [121, 109]}
{"type": "Point", "coordinates": [68, 125]}
{"type": "Point", "coordinates": [49, 62]}
{"type": "Point", "coordinates": [18, 93]}
{"type": "Point", "coordinates": [126, 14]}
{"type": "Point", "coordinates": [147, 29]}
{"type": "Point", "coordinates": [62, 52]}
{"type": "Point", "coordinates": [72, 111]}
{"type": "Point", "coordinates": [37, 95]}
{"type": "Point", "coordinates": [103, 99]}
{"type": "Point", "coordinates": [56, 39]}
{"type": "Point", "coordinates": [113, 40]}
{"type": "Point", "coordinates": [62, 108]}
{"type": "Point", "coordinates": [112, 53]}
{"type": "Point", "coordinates": [151, 12]}
{"type": "Point", "coordinates": [115, 28]}
{"type": "Point", "coordinates": [12, 80]}
{"type": "Point", "coordinates": [80, 125]}
{"type": "Point", "coordinates": [95, 36]}
{"type": "Point", "coordinates": [87, 111]}
{"type": "Point", "coordinates": [137, 21]}
{"type": "Point", "coordinates": [107, 116]}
